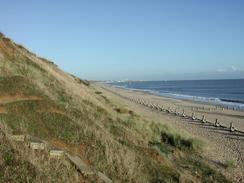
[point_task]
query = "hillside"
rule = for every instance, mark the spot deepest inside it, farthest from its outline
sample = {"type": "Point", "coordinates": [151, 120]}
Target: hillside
{"type": "Point", "coordinates": [40, 101]}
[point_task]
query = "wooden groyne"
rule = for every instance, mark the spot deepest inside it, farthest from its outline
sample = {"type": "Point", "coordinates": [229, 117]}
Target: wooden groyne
{"type": "Point", "coordinates": [168, 110]}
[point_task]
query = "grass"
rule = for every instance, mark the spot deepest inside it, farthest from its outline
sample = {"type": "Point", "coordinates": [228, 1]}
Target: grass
{"type": "Point", "coordinates": [24, 71]}
{"type": "Point", "coordinates": [29, 115]}
{"type": "Point", "coordinates": [98, 92]}
{"type": "Point", "coordinates": [62, 127]}
{"type": "Point", "coordinates": [106, 99]}
{"type": "Point", "coordinates": [179, 142]}
{"type": "Point", "coordinates": [229, 164]}
{"type": "Point", "coordinates": [163, 148]}
{"type": "Point", "coordinates": [200, 169]}
{"type": "Point", "coordinates": [122, 110]}
{"type": "Point", "coordinates": [127, 132]}
{"type": "Point", "coordinates": [18, 164]}
{"type": "Point", "coordinates": [161, 173]}
{"type": "Point", "coordinates": [17, 85]}
{"type": "Point", "coordinates": [12, 168]}
{"type": "Point", "coordinates": [63, 98]}
{"type": "Point", "coordinates": [115, 143]}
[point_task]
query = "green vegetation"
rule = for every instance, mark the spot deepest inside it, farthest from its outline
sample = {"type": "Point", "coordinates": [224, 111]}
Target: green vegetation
{"type": "Point", "coordinates": [177, 141]}
{"type": "Point", "coordinates": [63, 97]}
{"type": "Point", "coordinates": [15, 165]}
{"type": "Point", "coordinates": [24, 71]}
{"type": "Point", "coordinates": [123, 111]}
{"type": "Point", "coordinates": [98, 92]}
{"type": "Point", "coordinates": [14, 169]}
{"type": "Point", "coordinates": [62, 127]}
{"type": "Point", "coordinates": [200, 169]}
{"type": "Point", "coordinates": [34, 117]}
{"type": "Point", "coordinates": [114, 139]}
{"type": "Point", "coordinates": [17, 85]}
{"type": "Point", "coordinates": [230, 164]}
{"type": "Point", "coordinates": [163, 148]}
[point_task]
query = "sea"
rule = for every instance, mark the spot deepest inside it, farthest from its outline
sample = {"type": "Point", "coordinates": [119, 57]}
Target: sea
{"type": "Point", "coordinates": [227, 93]}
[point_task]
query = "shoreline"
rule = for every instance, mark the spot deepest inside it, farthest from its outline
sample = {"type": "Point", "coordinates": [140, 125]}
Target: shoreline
{"type": "Point", "coordinates": [219, 102]}
{"type": "Point", "coordinates": [199, 108]}
{"type": "Point", "coordinates": [222, 145]}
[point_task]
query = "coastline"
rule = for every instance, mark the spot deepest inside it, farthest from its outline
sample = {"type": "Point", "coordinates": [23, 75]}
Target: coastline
{"type": "Point", "coordinates": [209, 107]}
{"type": "Point", "coordinates": [221, 144]}
{"type": "Point", "coordinates": [199, 108]}
{"type": "Point", "coordinates": [219, 102]}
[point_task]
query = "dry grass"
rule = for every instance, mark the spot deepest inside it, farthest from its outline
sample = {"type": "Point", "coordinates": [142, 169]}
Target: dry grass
{"type": "Point", "coordinates": [113, 139]}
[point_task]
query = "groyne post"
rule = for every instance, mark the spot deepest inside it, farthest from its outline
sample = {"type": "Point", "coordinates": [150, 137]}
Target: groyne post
{"type": "Point", "coordinates": [232, 128]}
{"type": "Point", "coordinates": [203, 119]}
{"type": "Point", "coordinates": [216, 124]}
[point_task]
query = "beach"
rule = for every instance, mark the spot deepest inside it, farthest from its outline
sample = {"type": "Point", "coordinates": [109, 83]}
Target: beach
{"type": "Point", "coordinates": [221, 145]}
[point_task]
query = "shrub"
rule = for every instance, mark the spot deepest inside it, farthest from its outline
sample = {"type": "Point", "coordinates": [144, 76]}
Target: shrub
{"type": "Point", "coordinates": [177, 141]}
{"type": "Point", "coordinates": [229, 164]}
{"type": "Point", "coordinates": [98, 92]}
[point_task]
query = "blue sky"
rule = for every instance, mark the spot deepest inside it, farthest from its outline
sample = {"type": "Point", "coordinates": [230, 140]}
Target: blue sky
{"type": "Point", "coordinates": [132, 39]}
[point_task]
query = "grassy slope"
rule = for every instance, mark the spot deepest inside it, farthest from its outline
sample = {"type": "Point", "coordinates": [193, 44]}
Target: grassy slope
{"type": "Point", "coordinates": [72, 114]}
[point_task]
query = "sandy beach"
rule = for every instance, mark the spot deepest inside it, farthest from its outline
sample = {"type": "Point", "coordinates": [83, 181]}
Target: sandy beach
{"type": "Point", "coordinates": [221, 145]}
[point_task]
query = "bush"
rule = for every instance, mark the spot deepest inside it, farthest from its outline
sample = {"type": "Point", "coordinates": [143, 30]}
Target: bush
{"type": "Point", "coordinates": [177, 141]}
{"type": "Point", "coordinates": [229, 164]}
{"type": "Point", "coordinates": [98, 92]}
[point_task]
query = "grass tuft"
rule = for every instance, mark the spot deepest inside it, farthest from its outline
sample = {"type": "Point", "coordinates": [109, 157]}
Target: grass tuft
{"type": "Point", "coordinates": [178, 141]}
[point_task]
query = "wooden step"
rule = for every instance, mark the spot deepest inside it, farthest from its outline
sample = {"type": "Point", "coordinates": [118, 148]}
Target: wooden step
{"type": "Point", "coordinates": [37, 145]}
{"type": "Point", "coordinates": [80, 164]}
{"type": "Point", "coordinates": [18, 138]}
{"type": "Point", "coordinates": [104, 177]}
{"type": "Point", "coordinates": [56, 153]}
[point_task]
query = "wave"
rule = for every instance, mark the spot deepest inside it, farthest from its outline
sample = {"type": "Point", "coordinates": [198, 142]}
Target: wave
{"type": "Point", "coordinates": [217, 101]}
{"type": "Point", "coordinates": [232, 101]}
{"type": "Point", "coordinates": [220, 101]}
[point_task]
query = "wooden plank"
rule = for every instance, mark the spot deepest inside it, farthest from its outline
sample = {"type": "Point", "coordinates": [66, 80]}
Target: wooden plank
{"type": "Point", "coordinates": [55, 153]}
{"type": "Point", "coordinates": [37, 145]}
{"type": "Point", "coordinates": [18, 138]}
{"type": "Point", "coordinates": [80, 165]}
{"type": "Point", "coordinates": [104, 177]}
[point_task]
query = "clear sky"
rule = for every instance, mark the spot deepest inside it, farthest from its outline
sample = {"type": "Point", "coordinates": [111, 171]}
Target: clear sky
{"type": "Point", "coordinates": [132, 39]}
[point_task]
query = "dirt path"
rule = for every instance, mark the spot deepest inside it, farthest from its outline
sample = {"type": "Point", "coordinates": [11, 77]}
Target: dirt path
{"type": "Point", "coordinates": [9, 99]}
